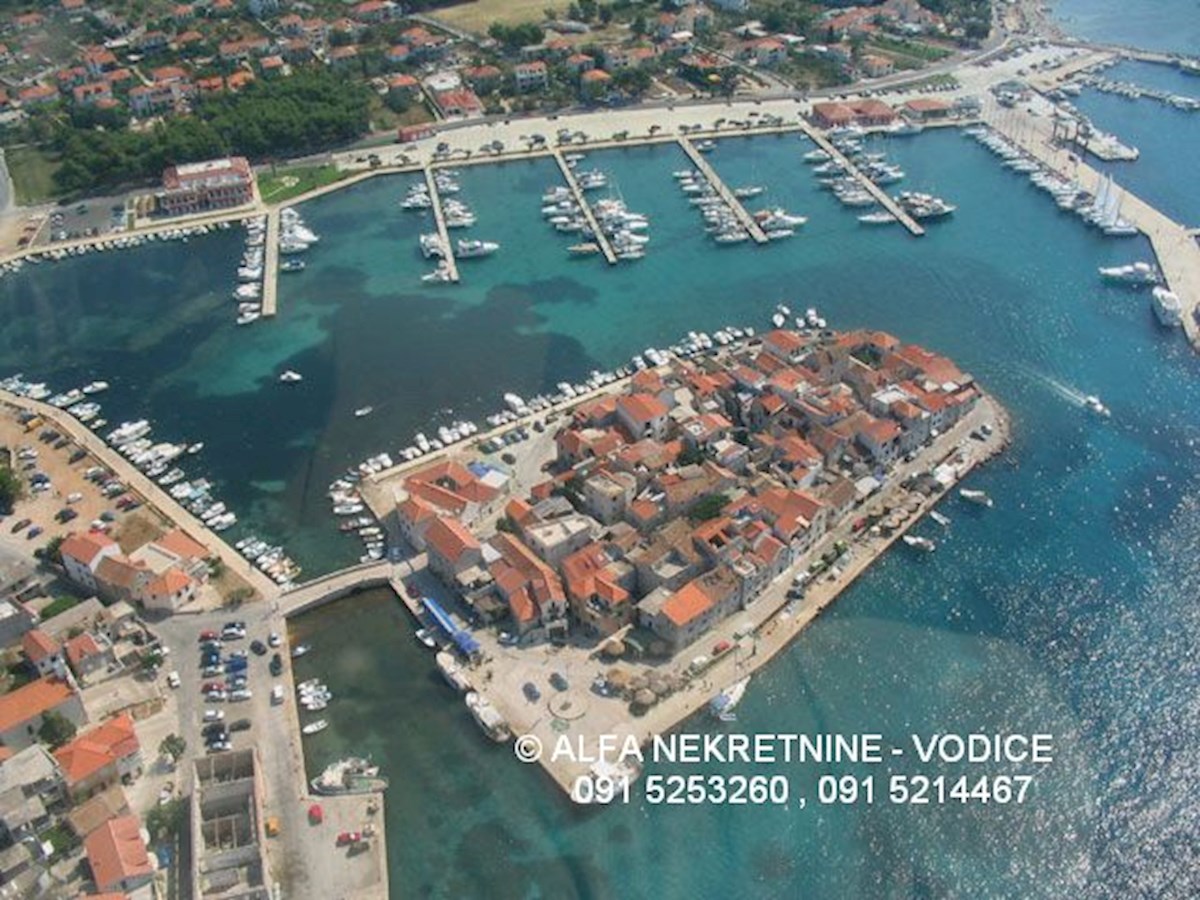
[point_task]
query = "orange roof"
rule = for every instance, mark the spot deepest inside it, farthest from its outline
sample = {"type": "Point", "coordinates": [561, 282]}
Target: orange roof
{"type": "Point", "coordinates": [84, 547]}
{"type": "Point", "coordinates": [38, 645]}
{"type": "Point", "coordinates": [119, 571]}
{"type": "Point", "coordinates": [686, 604]}
{"type": "Point", "coordinates": [596, 75]}
{"type": "Point", "coordinates": [117, 852]}
{"type": "Point", "coordinates": [415, 511]}
{"type": "Point", "coordinates": [169, 583]}
{"type": "Point", "coordinates": [88, 753]}
{"type": "Point", "coordinates": [642, 408]}
{"type": "Point", "coordinates": [450, 538]}
{"type": "Point", "coordinates": [183, 546]}
{"type": "Point", "coordinates": [32, 700]}
{"type": "Point", "coordinates": [80, 648]}
{"type": "Point", "coordinates": [787, 341]}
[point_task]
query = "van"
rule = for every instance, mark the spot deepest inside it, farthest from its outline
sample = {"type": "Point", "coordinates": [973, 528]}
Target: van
{"type": "Point", "coordinates": [277, 695]}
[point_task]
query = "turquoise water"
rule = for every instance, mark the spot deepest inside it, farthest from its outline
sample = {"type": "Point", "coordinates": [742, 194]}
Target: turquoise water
{"type": "Point", "coordinates": [1069, 608]}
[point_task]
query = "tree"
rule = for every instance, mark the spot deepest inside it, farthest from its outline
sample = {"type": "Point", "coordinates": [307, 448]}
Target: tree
{"type": "Point", "coordinates": [173, 746]}
{"type": "Point", "coordinates": [166, 818]}
{"type": "Point", "coordinates": [56, 729]}
{"type": "Point", "coordinates": [707, 507]}
{"type": "Point", "coordinates": [11, 489]}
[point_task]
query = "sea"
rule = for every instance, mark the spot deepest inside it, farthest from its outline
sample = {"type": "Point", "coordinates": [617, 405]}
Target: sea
{"type": "Point", "coordinates": [1068, 609]}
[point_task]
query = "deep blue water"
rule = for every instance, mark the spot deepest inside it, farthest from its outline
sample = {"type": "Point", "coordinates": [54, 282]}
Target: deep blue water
{"type": "Point", "coordinates": [1169, 26]}
{"type": "Point", "coordinates": [1069, 608]}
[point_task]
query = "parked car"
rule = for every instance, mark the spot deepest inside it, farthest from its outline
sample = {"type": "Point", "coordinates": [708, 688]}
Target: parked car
{"type": "Point", "coordinates": [20, 525]}
{"type": "Point", "coordinates": [276, 665]}
{"type": "Point", "coordinates": [239, 725]}
{"type": "Point", "coordinates": [259, 648]}
{"type": "Point", "coordinates": [173, 679]}
{"type": "Point", "coordinates": [558, 681]}
{"type": "Point", "coordinates": [33, 532]}
{"type": "Point", "coordinates": [213, 728]}
{"type": "Point", "coordinates": [274, 640]}
{"type": "Point", "coordinates": [240, 694]}
{"type": "Point", "coordinates": [210, 686]}
{"type": "Point", "coordinates": [532, 694]}
{"type": "Point", "coordinates": [214, 715]}
{"type": "Point", "coordinates": [208, 636]}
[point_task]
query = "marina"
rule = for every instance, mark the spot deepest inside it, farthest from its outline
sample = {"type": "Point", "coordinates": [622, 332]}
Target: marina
{"type": "Point", "coordinates": [448, 259]}
{"type": "Point", "coordinates": [585, 207]}
{"type": "Point", "coordinates": [732, 203]}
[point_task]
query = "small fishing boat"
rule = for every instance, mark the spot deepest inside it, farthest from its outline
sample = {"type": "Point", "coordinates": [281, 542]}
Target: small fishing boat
{"type": "Point", "coordinates": [314, 727]}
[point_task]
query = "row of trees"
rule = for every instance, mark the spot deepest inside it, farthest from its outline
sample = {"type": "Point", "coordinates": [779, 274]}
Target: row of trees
{"type": "Point", "coordinates": [310, 111]}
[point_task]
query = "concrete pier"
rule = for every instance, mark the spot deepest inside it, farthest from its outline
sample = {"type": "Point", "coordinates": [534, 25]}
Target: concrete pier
{"type": "Point", "coordinates": [600, 237]}
{"type": "Point", "coordinates": [818, 138]}
{"type": "Point", "coordinates": [271, 265]}
{"type": "Point", "coordinates": [440, 218]}
{"type": "Point", "coordinates": [735, 205]}
{"type": "Point", "coordinates": [1176, 249]}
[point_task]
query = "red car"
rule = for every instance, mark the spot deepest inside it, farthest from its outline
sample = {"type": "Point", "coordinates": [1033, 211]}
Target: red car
{"type": "Point", "coordinates": [208, 636]}
{"type": "Point", "coordinates": [348, 837]}
{"type": "Point", "coordinates": [211, 686]}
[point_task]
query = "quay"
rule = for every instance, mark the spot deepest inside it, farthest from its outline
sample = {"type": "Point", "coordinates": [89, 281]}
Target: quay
{"type": "Point", "coordinates": [585, 207]}
{"type": "Point", "coordinates": [147, 489]}
{"type": "Point", "coordinates": [443, 232]}
{"type": "Point", "coordinates": [723, 191]}
{"type": "Point", "coordinates": [884, 200]}
{"type": "Point", "coordinates": [1174, 246]}
{"type": "Point", "coordinates": [270, 289]}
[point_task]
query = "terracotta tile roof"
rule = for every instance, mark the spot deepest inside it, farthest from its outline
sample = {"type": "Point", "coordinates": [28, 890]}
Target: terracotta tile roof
{"type": "Point", "coordinates": [30, 701]}
{"type": "Point", "coordinates": [169, 583]}
{"type": "Point", "coordinates": [642, 408]}
{"type": "Point", "coordinates": [450, 538]}
{"type": "Point", "coordinates": [80, 647]}
{"type": "Point", "coordinates": [37, 645]}
{"type": "Point", "coordinates": [90, 752]}
{"type": "Point", "coordinates": [120, 572]}
{"type": "Point", "coordinates": [686, 604]}
{"type": "Point", "coordinates": [785, 341]}
{"type": "Point", "coordinates": [183, 546]}
{"type": "Point", "coordinates": [84, 547]}
{"type": "Point", "coordinates": [116, 852]}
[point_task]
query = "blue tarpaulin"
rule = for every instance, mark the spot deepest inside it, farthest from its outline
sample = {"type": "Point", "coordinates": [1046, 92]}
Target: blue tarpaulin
{"type": "Point", "coordinates": [467, 644]}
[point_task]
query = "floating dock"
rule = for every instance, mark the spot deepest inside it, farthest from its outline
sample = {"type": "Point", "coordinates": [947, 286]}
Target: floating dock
{"type": "Point", "coordinates": [440, 218]}
{"type": "Point", "coordinates": [586, 208]}
{"type": "Point", "coordinates": [884, 200]}
{"type": "Point", "coordinates": [723, 191]}
{"type": "Point", "coordinates": [270, 290]}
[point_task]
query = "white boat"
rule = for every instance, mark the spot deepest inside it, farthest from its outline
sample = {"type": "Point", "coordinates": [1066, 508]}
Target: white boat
{"type": "Point", "coordinates": [195, 448]}
{"type": "Point", "coordinates": [488, 717]}
{"type": "Point", "coordinates": [452, 671]}
{"type": "Point", "coordinates": [978, 497]}
{"type": "Point", "coordinates": [425, 636]}
{"type": "Point", "coordinates": [95, 387]}
{"type": "Point", "coordinates": [1167, 308]}
{"type": "Point", "coordinates": [877, 218]}
{"type": "Point", "coordinates": [752, 190]}
{"type": "Point", "coordinates": [940, 518]}
{"type": "Point", "coordinates": [722, 705]}
{"type": "Point", "coordinates": [363, 411]}
{"type": "Point", "coordinates": [291, 377]}
{"type": "Point", "coordinates": [471, 249]}
{"type": "Point", "coordinates": [1093, 404]}
{"type": "Point", "coordinates": [314, 727]}
{"type": "Point", "coordinates": [299, 650]}
{"type": "Point", "coordinates": [1136, 273]}
{"type": "Point", "coordinates": [919, 543]}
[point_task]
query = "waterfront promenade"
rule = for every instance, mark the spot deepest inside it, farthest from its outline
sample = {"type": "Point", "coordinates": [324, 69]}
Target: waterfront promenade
{"type": "Point", "coordinates": [439, 218]}
{"type": "Point", "coordinates": [150, 492]}
{"type": "Point", "coordinates": [585, 207]}
{"type": "Point", "coordinates": [735, 205]}
{"type": "Point", "coordinates": [1174, 246]}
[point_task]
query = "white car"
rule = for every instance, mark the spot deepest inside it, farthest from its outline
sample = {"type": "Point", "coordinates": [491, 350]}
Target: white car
{"type": "Point", "coordinates": [274, 640]}
{"type": "Point", "coordinates": [173, 679]}
{"type": "Point", "coordinates": [214, 715]}
{"type": "Point", "coordinates": [277, 695]}
{"type": "Point", "coordinates": [240, 694]}
{"type": "Point", "coordinates": [215, 696]}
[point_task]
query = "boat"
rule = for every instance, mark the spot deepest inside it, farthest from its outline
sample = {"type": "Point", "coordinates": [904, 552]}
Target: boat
{"type": "Point", "coordinates": [1093, 404]}
{"type": "Point", "coordinates": [722, 705]}
{"type": "Point", "coordinates": [314, 727]}
{"type": "Point", "coordinates": [425, 636]}
{"type": "Point", "coordinates": [1136, 274]}
{"type": "Point", "coordinates": [363, 411]}
{"type": "Point", "coordinates": [471, 248]}
{"type": "Point", "coordinates": [1167, 308]}
{"type": "Point", "coordinates": [488, 718]}
{"type": "Point", "coordinates": [938, 517]}
{"type": "Point", "coordinates": [95, 387]}
{"type": "Point", "coordinates": [351, 775]}
{"type": "Point", "coordinates": [290, 377]}
{"type": "Point", "coordinates": [292, 265]}
{"type": "Point", "coordinates": [877, 218]}
{"type": "Point", "coordinates": [751, 190]}
{"type": "Point", "coordinates": [978, 497]}
{"type": "Point", "coordinates": [919, 543]}
{"type": "Point", "coordinates": [588, 248]}
{"type": "Point", "coordinates": [299, 650]}
{"type": "Point", "coordinates": [195, 448]}
{"type": "Point", "coordinates": [452, 671]}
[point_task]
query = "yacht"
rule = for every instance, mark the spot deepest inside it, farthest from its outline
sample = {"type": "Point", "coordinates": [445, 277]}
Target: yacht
{"type": "Point", "coordinates": [1167, 308]}
{"type": "Point", "coordinates": [979, 498]}
{"type": "Point", "coordinates": [95, 387]}
{"type": "Point", "coordinates": [291, 377]}
{"type": "Point", "coordinates": [363, 411]}
{"type": "Point", "coordinates": [751, 190]}
{"type": "Point", "coordinates": [440, 275]}
{"type": "Point", "coordinates": [588, 248]}
{"type": "Point", "coordinates": [431, 246]}
{"type": "Point", "coordinates": [882, 217]}
{"type": "Point", "coordinates": [1093, 404]}
{"type": "Point", "coordinates": [816, 156]}
{"type": "Point", "coordinates": [1136, 273]}
{"type": "Point", "coordinates": [488, 717]}
{"type": "Point", "coordinates": [919, 543]}
{"type": "Point", "coordinates": [722, 705]}
{"type": "Point", "coordinates": [469, 249]}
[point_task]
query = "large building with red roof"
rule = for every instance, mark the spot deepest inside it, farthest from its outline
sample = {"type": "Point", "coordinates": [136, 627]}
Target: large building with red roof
{"type": "Point", "coordinates": [118, 856]}
{"type": "Point", "coordinates": [23, 709]}
{"type": "Point", "coordinates": [100, 758]}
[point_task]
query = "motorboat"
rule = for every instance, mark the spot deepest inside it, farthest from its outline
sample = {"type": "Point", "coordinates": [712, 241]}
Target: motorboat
{"type": "Point", "coordinates": [488, 717]}
{"type": "Point", "coordinates": [425, 636]}
{"type": "Point", "coordinates": [291, 377]}
{"type": "Point", "coordinates": [363, 411]}
{"type": "Point", "coordinates": [882, 217]}
{"type": "Point", "coordinates": [1092, 403]}
{"type": "Point", "coordinates": [314, 727]}
{"type": "Point", "coordinates": [95, 387]}
{"type": "Point", "coordinates": [1136, 274]}
{"type": "Point", "coordinates": [470, 249]}
{"type": "Point", "coordinates": [980, 498]}
{"type": "Point", "coordinates": [940, 518]}
{"type": "Point", "coordinates": [919, 543]}
{"type": "Point", "coordinates": [299, 650]}
{"type": "Point", "coordinates": [1167, 308]}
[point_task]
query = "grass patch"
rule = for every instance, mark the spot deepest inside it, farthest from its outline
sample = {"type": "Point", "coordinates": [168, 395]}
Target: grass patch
{"type": "Point", "coordinates": [477, 15]}
{"type": "Point", "coordinates": [32, 172]}
{"type": "Point", "coordinates": [915, 49]}
{"type": "Point", "coordinates": [59, 605]}
{"type": "Point", "coordinates": [283, 184]}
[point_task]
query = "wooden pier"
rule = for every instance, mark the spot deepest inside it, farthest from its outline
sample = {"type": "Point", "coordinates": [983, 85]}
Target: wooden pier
{"type": "Point", "coordinates": [443, 232]}
{"type": "Point", "coordinates": [884, 200]}
{"type": "Point", "coordinates": [735, 205]}
{"type": "Point", "coordinates": [1174, 246]}
{"type": "Point", "coordinates": [586, 208]}
{"type": "Point", "coordinates": [270, 288]}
